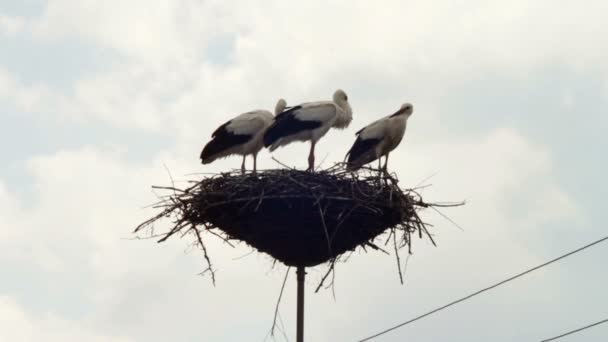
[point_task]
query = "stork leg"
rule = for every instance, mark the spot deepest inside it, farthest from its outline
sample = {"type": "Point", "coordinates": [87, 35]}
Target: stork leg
{"type": "Point", "coordinates": [243, 166]}
{"type": "Point", "coordinates": [385, 164]}
{"type": "Point", "coordinates": [379, 163]}
{"type": "Point", "coordinates": [311, 157]}
{"type": "Point", "coordinates": [255, 163]}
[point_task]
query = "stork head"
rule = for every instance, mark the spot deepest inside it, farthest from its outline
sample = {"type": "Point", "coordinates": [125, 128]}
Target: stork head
{"type": "Point", "coordinates": [345, 116]}
{"type": "Point", "coordinates": [406, 109]}
{"type": "Point", "coordinates": [340, 96]}
{"type": "Point", "coordinates": [280, 107]}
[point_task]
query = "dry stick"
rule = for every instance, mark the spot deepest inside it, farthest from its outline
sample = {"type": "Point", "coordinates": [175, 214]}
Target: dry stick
{"type": "Point", "coordinates": [283, 165]}
{"type": "Point", "coordinates": [297, 182]}
{"type": "Point", "coordinates": [172, 188]}
{"type": "Point", "coordinates": [260, 201]}
{"type": "Point", "coordinates": [448, 218]}
{"type": "Point", "coordinates": [282, 328]}
{"type": "Point", "coordinates": [170, 177]}
{"type": "Point", "coordinates": [179, 225]}
{"type": "Point", "coordinates": [390, 235]}
{"type": "Point", "coordinates": [407, 260]}
{"type": "Point", "coordinates": [274, 263]}
{"type": "Point", "coordinates": [321, 163]}
{"type": "Point", "coordinates": [444, 204]}
{"type": "Point", "coordinates": [426, 179]}
{"type": "Point", "coordinates": [325, 229]}
{"type": "Point", "coordinates": [244, 255]}
{"type": "Point", "coordinates": [220, 237]}
{"type": "Point", "coordinates": [342, 219]}
{"type": "Point", "coordinates": [397, 255]}
{"type": "Point", "coordinates": [333, 280]}
{"type": "Point", "coordinates": [375, 247]}
{"type": "Point", "coordinates": [200, 241]}
{"type": "Point", "coordinates": [422, 228]}
{"type": "Point", "coordinates": [276, 309]}
{"type": "Point", "coordinates": [145, 237]}
{"type": "Point", "coordinates": [329, 270]}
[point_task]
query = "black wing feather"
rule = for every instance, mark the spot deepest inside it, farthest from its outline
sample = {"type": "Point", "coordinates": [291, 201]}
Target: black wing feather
{"type": "Point", "coordinates": [361, 148]}
{"type": "Point", "coordinates": [220, 129]}
{"type": "Point", "coordinates": [222, 140]}
{"type": "Point", "coordinates": [286, 124]}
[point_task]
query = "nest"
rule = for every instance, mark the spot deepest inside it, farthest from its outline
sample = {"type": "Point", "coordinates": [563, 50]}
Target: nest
{"type": "Point", "coordinates": [299, 218]}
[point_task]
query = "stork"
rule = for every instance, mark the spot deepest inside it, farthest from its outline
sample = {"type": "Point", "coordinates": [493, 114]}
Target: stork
{"type": "Point", "coordinates": [378, 139]}
{"type": "Point", "coordinates": [309, 122]}
{"type": "Point", "coordinates": [241, 135]}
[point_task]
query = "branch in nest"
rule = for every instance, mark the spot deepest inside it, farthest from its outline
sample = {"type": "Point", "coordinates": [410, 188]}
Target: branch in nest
{"type": "Point", "coordinates": [276, 309]}
{"type": "Point", "coordinates": [202, 245]}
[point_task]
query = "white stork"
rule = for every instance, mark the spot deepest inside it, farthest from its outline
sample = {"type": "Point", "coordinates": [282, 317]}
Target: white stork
{"type": "Point", "coordinates": [241, 135]}
{"type": "Point", "coordinates": [309, 122]}
{"type": "Point", "coordinates": [378, 139]}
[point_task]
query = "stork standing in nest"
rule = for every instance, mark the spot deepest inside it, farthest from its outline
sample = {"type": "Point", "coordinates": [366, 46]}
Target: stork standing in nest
{"type": "Point", "coordinates": [378, 139]}
{"type": "Point", "coordinates": [242, 135]}
{"type": "Point", "coordinates": [309, 122]}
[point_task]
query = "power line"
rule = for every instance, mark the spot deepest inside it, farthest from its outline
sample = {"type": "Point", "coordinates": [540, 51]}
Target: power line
{"type": "Point", "coordinates": [575, 331]}
{"type": "Point", "coordinates": [487, 288]}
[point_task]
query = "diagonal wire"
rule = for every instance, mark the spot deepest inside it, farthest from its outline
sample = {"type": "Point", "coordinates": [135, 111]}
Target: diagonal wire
{"type": "Point", "coordinates": [563, 256]}
{"type": "Point", "coordinates": [575, 331]}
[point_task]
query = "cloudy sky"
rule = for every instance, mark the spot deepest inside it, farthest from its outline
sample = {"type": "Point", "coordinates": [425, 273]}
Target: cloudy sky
{"type": "Point", "coordinates": [509, 114]}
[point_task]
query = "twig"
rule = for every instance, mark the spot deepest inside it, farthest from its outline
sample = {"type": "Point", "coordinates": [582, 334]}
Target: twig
{"type": "Point", "coordinates": [375, 247]}
{"type": "Point", "coordinates": [447, 218]}
{"type": "Point", "coordinates": [322, 215]}
{"type": "Point", "coordinates": [398, 260]}
{"type": "Point", "coordinates": [200, 242]}
{"type": "Point", "coordinates": [281, 163]}
{"type": "Point", "coordinates": [332, 264]}
{"type": "Point", "coordinates": [276, 309]}
{"type": "Point", "coordinates": [244, 255]}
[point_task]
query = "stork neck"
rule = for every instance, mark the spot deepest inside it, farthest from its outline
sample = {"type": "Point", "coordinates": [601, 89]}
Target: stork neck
{"type": "Point", "coordinates": [345, 114]}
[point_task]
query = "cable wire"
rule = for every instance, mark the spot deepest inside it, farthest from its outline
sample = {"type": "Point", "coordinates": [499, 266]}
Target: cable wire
{"type": "Point", "coordinates": [574, 331]}
{"type": "Point", "coordinates": [487, 288]}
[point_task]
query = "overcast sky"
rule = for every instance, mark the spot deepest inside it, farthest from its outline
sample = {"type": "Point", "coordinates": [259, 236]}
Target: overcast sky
{"type": "Point", "coordinates": [509, 114]}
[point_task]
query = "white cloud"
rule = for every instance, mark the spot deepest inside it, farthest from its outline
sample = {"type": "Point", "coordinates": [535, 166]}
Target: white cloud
{"type": "Point", "coordinates": [150, 31]}
{"type": "Point", "coordinates": [402, 47]}
{"type": "Point", "coordinates": [11, 25]}
{"type": "Point", "coordinates": [37, 99]}
{"type": "Point", "coordinates": [21, 326]}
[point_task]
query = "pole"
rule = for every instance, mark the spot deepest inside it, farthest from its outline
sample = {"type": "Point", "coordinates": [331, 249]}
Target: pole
{"type": "Point", "coordinates": [301, 274]}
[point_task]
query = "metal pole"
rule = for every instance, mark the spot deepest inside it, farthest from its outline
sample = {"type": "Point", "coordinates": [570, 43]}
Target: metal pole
{"type": "Point", "coordinates": [301, 274]}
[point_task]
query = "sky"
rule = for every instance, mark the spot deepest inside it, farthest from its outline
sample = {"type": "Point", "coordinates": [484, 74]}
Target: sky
{"type": "Point", "coordinates": [99, 98]}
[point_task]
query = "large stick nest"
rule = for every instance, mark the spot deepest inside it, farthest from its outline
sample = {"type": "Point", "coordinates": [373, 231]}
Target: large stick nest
{"type": "Point", "coordinates": [300, 218]}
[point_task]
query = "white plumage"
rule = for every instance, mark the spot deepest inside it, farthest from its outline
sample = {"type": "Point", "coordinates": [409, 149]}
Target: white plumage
{"type": "Point", "coordinates": [309, 122]}
{"type": "Point", "coordinates": [241, 135]}
{"type": "Point", "coordinates": [378, 139]}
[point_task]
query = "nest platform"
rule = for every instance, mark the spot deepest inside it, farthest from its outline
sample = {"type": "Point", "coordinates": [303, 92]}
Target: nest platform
{"type": "Point", "coordinates": [299, 218]}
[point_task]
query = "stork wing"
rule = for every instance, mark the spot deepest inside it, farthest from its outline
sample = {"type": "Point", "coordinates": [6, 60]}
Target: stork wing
{"type": "Point", "coordinates": [306, 116]}
{"type": "Point", "coordinates": [245, 124]}
{"type": "Point", "coordinates": [363, 150]}
{"type": "Point", "coordinates": [322, 111]}
{"type": "Point", "coordinates": [250, 123]}
{"type": "Point", "coordinates": [235, 132]}
{"type": "Point", "coordinates": [374, 129]}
